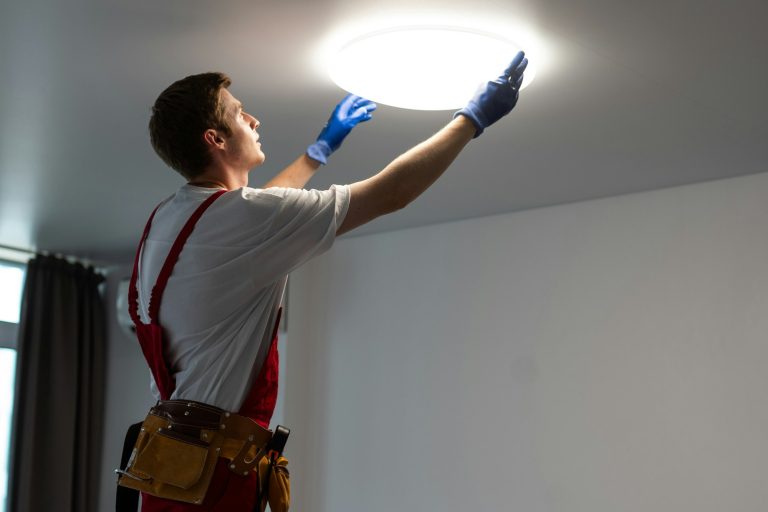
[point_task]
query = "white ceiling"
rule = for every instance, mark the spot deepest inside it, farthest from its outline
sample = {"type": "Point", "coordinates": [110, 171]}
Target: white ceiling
{"type": "Point", "coordinates": [629, 96]}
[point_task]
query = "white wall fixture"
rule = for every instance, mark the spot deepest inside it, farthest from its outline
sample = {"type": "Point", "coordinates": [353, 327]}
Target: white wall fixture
{"type": "Point", "coordinates": [123, 315]}
{"type": "Point", "coordinates": [422, 67]}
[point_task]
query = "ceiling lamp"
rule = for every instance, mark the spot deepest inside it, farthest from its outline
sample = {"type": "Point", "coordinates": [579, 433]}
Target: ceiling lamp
{"type": "Point", "coordinates": [422, 67]}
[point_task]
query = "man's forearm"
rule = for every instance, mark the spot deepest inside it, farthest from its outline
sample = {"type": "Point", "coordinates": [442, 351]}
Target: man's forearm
{"type": "Point", "coordinates": [410, 174]}
{"type": "Point", "coordinates": [417, 169]}
{"type": "Point", "coordinates": [295, 175]}
{"type": "Point", "coordinates": [413, 172]}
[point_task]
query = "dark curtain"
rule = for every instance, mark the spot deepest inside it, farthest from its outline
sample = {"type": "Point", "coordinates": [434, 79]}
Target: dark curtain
{"type": "Point", "coordinates": [56, 439]}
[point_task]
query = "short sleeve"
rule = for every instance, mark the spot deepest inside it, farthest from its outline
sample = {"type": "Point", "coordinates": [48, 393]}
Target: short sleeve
{"type": "Point", "coordinates": [302, 225]}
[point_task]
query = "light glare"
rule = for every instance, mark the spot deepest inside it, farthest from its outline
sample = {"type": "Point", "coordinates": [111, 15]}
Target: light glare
{"type": "Point", "coordinates": [422, 67]}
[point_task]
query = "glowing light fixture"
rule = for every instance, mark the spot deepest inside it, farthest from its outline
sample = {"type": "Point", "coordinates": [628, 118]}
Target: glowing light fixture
{"type": "Point", "coordinates": [422, 67]}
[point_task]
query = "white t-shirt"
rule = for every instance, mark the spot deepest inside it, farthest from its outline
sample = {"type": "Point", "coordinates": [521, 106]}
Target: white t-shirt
{"type": "Point", "coordinates": [220, 305]}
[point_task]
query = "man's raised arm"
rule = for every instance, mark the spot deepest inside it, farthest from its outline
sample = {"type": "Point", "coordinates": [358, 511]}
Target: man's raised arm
{"type": "Point", "coordinates": [413, 172]}
{"type": "Point", "coordinates": [295, 175]}
{"type": "Point", "coordinates": [351, 111]}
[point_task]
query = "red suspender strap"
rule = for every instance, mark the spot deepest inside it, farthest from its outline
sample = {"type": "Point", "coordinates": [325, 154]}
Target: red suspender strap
{"type": "Point", "coordinates": [162, 279]}
{"type": "Point", "coordinates": [133, 292]}
{"type": "Point", "coordinates": [150, 335]}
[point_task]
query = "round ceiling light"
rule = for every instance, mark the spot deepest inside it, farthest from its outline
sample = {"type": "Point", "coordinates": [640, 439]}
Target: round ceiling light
{"type": "Point", "coordinates": [422, 67]}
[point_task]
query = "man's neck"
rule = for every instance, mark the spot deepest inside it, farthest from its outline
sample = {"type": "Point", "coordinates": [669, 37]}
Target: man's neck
{"type": "Point", "coordinates": [208, 184]}
{"type": "Point", "coordinates": [229, 181]}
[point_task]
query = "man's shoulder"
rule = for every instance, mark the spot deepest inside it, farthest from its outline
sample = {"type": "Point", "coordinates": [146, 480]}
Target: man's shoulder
{"type": "Point", "coordinates": [273, 194]}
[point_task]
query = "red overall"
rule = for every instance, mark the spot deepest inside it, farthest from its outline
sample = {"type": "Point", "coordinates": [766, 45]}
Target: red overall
{"type": "Point", "coordinates": [228, 492]}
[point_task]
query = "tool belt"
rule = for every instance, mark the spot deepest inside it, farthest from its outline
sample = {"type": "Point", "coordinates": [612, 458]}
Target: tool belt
{"type": "Point", "coordinates": [180, 442]}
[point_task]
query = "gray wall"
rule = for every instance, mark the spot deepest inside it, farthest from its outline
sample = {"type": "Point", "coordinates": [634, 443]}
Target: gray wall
{"type": "Point", "coordinates": [602, 356]}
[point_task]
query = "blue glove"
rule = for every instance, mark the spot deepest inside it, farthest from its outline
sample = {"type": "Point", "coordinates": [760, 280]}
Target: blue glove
{"type": "Point", "coordinates": [352, 110]}
{"type": "Point", "coordinates": [497, 98]}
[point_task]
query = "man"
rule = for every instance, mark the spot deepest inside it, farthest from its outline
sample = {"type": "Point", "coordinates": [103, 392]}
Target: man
{"type": "Point", "coordinates": [218, 299]}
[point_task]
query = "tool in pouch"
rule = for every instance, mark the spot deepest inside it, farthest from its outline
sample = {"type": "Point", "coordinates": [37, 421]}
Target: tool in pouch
{"type": "Point", "coordinates": [274, 477]}
{"type": "Point", "coordinates": [180, 442]}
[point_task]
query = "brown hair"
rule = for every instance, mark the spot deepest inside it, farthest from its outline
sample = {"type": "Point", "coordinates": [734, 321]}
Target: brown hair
{"type": "Point", "coordinates": [180, 116]}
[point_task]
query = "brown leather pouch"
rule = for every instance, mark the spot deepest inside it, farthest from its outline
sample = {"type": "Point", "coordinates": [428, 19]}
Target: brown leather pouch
{"type": "Point", "coordinates": [169, 465]}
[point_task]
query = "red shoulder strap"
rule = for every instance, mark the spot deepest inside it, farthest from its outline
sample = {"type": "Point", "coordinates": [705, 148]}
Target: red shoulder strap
{"type": "Point", "coordinates": [133, 292]}
{"type": "Point", "coordinates": [162, 279]}
{"type": "Point", "coordinates": [170, 261]}
{"type": "Point", "coordinates": [150, 335]}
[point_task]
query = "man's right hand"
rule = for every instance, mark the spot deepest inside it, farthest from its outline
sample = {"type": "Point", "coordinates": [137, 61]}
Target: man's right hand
{"type": "Point", "coordinates": [495, 99]}
{"type": "Point", "coordinates": [351, 111]}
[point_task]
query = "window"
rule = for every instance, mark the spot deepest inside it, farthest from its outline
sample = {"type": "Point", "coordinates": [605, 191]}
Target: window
{"type": "Point", "coordinates": [11, 282]}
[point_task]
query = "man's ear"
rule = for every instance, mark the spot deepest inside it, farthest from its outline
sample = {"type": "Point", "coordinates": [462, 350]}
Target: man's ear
{"type": "Point", "coordinates": [212, 138]}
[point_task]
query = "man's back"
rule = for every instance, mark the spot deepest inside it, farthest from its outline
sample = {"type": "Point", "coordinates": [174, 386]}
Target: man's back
{"type": "Point", "coordinates": [220, 306]}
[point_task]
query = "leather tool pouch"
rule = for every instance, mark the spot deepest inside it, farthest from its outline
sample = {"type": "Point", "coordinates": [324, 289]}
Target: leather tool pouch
{"type": "Point", "coordinates": [179, 444]}
{"type": "Point", "coordinates": [175, 458]}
